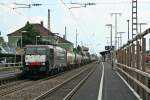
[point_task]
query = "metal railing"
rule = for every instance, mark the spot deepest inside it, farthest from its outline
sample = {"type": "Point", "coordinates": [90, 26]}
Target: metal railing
{"type": "Point", "coordinates": [131, 65]}
{"type": "Point", "coordinates": [10, 67]}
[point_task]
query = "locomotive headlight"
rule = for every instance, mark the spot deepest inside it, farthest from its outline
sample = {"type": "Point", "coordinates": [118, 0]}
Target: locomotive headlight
{"type": "Point", "coordinates": [43, 63]}
{"type": "Point", "coordinates": [27, 63]}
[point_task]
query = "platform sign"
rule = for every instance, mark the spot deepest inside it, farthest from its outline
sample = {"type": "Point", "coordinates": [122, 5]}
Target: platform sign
{"type": "Point", "coordinates": [112, 47]}
{"type": "Point", "coordinates": [106, 47]}
{"type": "Point", "coordinates": [109, 47]}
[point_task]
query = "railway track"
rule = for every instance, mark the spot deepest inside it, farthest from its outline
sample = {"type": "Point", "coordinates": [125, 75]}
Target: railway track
{"type": "Point", "coordinates": [30, 90]}
{"type": "Point", "coordinates": [7, 80]}
{"type": "Point", "coordinates": [10, 88]}
{"type": "Point", "coordinates": [65, 90]}
{"type": "Point", "coordinates": [12, 84]}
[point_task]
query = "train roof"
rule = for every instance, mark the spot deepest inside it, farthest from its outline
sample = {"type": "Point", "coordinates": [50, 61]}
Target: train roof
{"type": "Point", "coordinates": [49, 46]}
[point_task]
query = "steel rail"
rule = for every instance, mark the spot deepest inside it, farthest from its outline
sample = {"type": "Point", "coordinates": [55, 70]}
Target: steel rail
{"type": "Point", "coordinates": [2, 68]}
{"type": "Point", "coordinates": [28, 85]}
{"type": "Point", "coordinates": [11, 84]}
{"type": "Point", "coordinates": [41, 97]}
{"type": "Point", "coordinates": [70, 94]}
{"type": "Point", "coordinates": [6, 80]}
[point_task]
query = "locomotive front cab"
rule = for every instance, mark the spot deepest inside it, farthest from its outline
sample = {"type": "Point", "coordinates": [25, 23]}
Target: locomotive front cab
{"type": "Point", "coordinates": [36, 59]}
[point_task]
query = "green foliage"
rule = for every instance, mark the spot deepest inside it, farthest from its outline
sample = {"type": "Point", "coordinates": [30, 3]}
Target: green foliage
{"type": "Point", "coordinates": [74, 50]}
{"type": "Point", "coordinates": [78, 50]}
{"type": "Point", "coordinates": [29, 35]}
{"type": "Point", "coordinates": [2, 40]}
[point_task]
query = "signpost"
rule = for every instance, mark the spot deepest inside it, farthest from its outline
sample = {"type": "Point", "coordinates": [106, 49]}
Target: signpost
{"type": "Point", "coordinates": [109, 48]}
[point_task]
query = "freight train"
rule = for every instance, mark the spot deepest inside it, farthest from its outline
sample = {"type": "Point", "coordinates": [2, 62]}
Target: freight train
{"type": "Point", "coordinates": [49, 59]}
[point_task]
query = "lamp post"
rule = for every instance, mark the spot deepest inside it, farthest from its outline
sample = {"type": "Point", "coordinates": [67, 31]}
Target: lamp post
{"type": "Point", "coordinates": [140, 24]}
{"type": "Point", "coordinates": [76, 38]}
{"type": "Point", "coordinates": [36, 39]}
{"type": "Point", "coordinates": [22, 46]}
{"type": "Point", "coordinates": [128, 29]}
{"type": "Point", "coordinates": [110, 25]}
{"type": "Point", "coordinates": [22, 36]}
{"type": "Point", "coordinates": [111, 55]}
{"type": "Point", "coordinates": [120, 38]}
{"type": "Point", "coordinates": [55, 37]}
{"type": "Point", "coordinates": [116, 27]}
{"type": "Point", "coordinates": [118, 41]}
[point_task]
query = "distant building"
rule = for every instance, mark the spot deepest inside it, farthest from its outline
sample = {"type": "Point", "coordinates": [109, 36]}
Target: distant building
{"type": "Point", "coordinates": [2, 43]}
{"type": "Point", "coordinates": [86, 49]}
{"type": "Point", "coordinates": [46, 35]}
{"type": "Point", "coordinates": [1, 40]}
{"type": "Point", "coordinates": [4, 48]}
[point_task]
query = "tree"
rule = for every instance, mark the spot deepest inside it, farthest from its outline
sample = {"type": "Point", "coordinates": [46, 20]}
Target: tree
{"type": "Point", "coordinates": [29, 35]}
{"type": "Point", "coordinates": [79, 50]}
{"type": "Point", "coordinates": [1, 40]}
{"type": "Point", "coordinates": [0, 50]}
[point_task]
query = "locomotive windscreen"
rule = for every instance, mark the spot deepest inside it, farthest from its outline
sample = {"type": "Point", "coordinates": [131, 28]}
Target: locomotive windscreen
{"type": "Point", "coordinates": [36, 51]}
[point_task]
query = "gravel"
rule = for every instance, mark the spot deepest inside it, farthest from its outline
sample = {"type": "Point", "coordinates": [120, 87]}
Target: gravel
{"type": "Point", "coordinates": [31, 92]}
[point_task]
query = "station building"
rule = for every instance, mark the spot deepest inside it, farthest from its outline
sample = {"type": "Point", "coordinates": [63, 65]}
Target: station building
{"type": "Point", "coordinates": [46, 35]}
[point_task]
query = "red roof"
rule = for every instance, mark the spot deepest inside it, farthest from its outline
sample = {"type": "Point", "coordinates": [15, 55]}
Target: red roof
{"type": "Point", "coordinates": [38, 27]}
{"type": "Point", "coordinates": [41, 29]}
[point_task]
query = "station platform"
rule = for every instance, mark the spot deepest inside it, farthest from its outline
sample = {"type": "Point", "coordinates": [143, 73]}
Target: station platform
{"type": "Point", "coordinates": [113, 86]}
{"type": "Point", "coordinates": [104, 84]}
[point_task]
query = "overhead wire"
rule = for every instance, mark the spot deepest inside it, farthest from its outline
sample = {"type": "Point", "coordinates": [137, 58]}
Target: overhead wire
{"type": "Point", "coordinates": [73, 16]}
{"type": "Point", "coordinates": [16, 12]}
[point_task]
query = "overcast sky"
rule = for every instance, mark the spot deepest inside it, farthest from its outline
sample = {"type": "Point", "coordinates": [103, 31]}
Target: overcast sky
{"type": "Point", "coordinates": [89, 21]}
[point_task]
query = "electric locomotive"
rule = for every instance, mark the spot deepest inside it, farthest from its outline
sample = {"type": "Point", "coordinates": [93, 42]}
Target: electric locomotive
{"type": "Point", "coordinates": [44, 58]}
